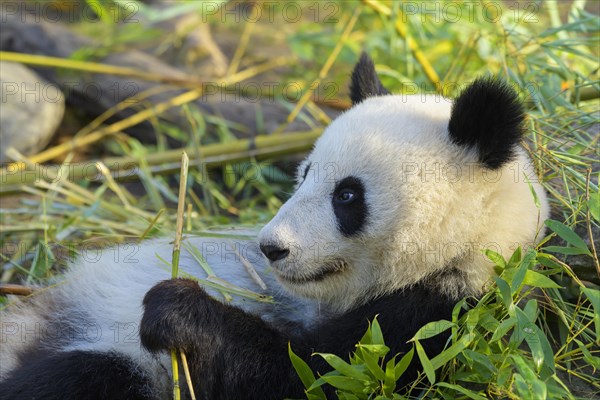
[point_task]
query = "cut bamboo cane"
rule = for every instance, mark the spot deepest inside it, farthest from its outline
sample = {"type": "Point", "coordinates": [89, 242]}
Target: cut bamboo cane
{"type": "Point", "coordinates": [122, 168]}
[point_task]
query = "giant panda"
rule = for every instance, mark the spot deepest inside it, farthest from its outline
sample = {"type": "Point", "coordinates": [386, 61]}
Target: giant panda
{"type": "Point", "coordinates": [390, 215]}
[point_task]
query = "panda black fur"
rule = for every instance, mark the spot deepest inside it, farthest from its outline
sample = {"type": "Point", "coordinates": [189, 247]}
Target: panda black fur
{"type": "Point", "coordinates": [372, 229]}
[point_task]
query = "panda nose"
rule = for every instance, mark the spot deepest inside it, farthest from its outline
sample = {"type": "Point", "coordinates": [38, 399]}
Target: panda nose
{"type": "Point", "coordinates": [273, 252]}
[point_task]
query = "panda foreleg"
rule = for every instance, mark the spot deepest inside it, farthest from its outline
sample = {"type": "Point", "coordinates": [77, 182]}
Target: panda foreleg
{"type": "Point", "coordinates": [231, 354]}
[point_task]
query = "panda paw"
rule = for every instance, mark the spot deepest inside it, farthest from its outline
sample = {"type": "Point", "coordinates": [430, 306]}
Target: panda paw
{"type": "Point", "coordinates": [176, 311]}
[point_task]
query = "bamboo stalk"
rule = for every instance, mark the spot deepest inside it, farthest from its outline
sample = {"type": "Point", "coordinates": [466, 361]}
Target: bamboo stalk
{"type": "Point", "coordinates": [125, 167]}
{"type": "Point", "coordinates": [118, 126]}
{"type": "Point", "coordinates": [152, 224]}
{"type": "Point", "coordinates": [250, 269]}
{"type": "Point", "coordinates": [175, 258]}
{"type": "Point", "coordinates": [188, 377]}
{"type": "Point", "coordinates": [99, 68]}
{"type": "Point", "coordinates": [17, 290]}
{"type": "Point", "coordinates": [185, 162]}
{"type": "Point", "coordinates": [175, 368]}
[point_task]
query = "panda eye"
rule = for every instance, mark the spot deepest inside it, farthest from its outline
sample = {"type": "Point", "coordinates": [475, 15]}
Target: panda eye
{"type": "Point", "coordinates": [345, 196]}
{"type": "Point", "coordinates": [350, 206]}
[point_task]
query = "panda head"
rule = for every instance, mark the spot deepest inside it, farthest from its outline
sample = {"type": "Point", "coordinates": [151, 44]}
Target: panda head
{"type": "Point", "coordinates": [407, 189]}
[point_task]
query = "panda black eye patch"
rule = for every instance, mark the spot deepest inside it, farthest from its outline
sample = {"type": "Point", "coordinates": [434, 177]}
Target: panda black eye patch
{"type": "Point", "coordinates": [349, 205]}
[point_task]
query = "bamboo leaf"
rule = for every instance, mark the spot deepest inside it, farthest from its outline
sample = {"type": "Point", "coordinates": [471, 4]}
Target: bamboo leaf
{"type": "Point", "coordinates": [425, 363]}
{"type": "Point", "coordinates": [432, 329]}
{"type": "Point", "coordinates": [535, 279]}
{"type": "Point", "coordinates": [451, 352]}
{"type": "Point", "coordinates": [569, 251]}
{"type": "Point", "coordinates": [593, 296]}
{"type": "Point", "coordinates": [371, 361]}
{"type": "Point", "coordinates": [496, 258]}
{"type": "Point", "coordinates": [505, 293]}
{"type": "Point", "coordinates": [402, 366]}
{"type": "Point", "coordinates": [594, 205]}
{"type": "Point", "coordinates": [376, 334]}
{"type": "Point", "coordinates": [343, 367]}
{"type": "Point", "coordinates": [503, 329]}
{"type": "Point", "coordinates": [515, 258]}
{"type": "Point", "coordinates": [469, 393]}
{"type": "Point", "coordinates": [568, 235]}
{"type": "Point", "coordinates": [304, 373]}
{"type": "Point", "coordinates": [346, 383]}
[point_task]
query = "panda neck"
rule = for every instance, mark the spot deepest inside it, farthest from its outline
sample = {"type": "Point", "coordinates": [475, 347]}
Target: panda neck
{"type": "Point", "coordinates": [450, 282]}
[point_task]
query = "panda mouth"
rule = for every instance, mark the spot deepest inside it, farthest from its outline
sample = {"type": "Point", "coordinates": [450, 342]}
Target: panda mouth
{"type": "Point", "coordinates": [328, 269]}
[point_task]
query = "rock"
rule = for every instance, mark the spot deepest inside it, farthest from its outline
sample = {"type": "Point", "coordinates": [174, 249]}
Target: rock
{"type": "Point", "coordinates": [32, 109]}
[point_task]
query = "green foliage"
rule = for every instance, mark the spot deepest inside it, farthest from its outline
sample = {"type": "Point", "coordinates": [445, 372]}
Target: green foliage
{"type": "Point", "coordinates": [368, 375]}
{"type": "Point", "coordinates": [499, 347]}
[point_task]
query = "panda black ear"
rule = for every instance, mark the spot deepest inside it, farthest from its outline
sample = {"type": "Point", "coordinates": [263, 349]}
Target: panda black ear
{"type": "Point", "coordinates": [488, 116]}
{"type": "Point", "coordinates": [365, 82]}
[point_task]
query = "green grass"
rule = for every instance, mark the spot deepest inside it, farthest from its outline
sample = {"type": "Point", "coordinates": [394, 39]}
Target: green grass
{"type": "Point", "coordinates": [549, 51]}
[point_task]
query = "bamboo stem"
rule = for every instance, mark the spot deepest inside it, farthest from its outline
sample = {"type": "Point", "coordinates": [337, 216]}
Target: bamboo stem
{"type": "Point", "coordinates": [250, 269]}
{"type": "Point", "coordinates": [99, 68]}
{"type": "Point", "coordinates": [126, 167]}
{"type": "Point", "coordinates": [188, 377]}
{"type": "Point", "coordinates": [17, 290]}
{"type": "Point", "coordinates": [175, 259]}
{"type": "Point", "coordinates": [175, 368]}
{"type": "Point", "coordinates": [185, 162]}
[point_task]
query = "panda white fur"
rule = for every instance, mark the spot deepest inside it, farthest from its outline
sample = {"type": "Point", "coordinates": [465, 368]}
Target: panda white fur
{"type": "Point", "coordinates": [390, 214]}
